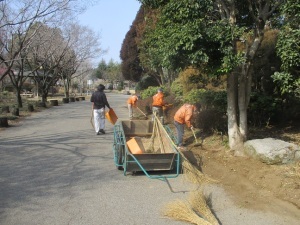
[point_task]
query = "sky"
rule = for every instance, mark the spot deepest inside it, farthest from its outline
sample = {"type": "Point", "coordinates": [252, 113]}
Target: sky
{"type": "Point", "coordinates": [111, 19]}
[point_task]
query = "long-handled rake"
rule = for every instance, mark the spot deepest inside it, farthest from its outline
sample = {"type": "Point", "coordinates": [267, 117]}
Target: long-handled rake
{"type": "Point", "coordinates": [142, 112]}
{"type": "Point", "coordinates": [92, 117]}
{"type": "Point", "coordinates": [197, 143]}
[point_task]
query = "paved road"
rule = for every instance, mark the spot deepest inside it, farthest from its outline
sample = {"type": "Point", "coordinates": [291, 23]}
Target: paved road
{"type": "Point", "coordinates": [54, 170]}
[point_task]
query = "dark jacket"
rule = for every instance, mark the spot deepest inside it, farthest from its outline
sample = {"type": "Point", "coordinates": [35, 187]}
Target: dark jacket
{"type": "Point", "coordinates": [99, 99]}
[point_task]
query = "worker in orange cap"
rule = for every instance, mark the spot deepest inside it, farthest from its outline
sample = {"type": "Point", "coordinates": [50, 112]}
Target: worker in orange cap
{"type": "Point", "coordinates": [182, 117]}
{"type": "Point", "coordinates": [131, 102]}
{"type": "Point", "coordinates": [157, 104]}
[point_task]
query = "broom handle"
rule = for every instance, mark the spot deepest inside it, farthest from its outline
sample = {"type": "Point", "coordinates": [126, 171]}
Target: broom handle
{"type": "Point", "coordinates": [160, 124]}
{"type": "Point", "coordinates": [92, 118]}
{"type": "Point", "coordinates": [194, 134]}
{"type": "Point", "coordinates": [141, 111]}
{"type": "Point", "coordinates": [159, 137]}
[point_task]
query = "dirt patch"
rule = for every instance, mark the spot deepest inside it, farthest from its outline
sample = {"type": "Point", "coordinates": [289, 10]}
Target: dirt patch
{"type": "Point", "coordinates": [251, 183]}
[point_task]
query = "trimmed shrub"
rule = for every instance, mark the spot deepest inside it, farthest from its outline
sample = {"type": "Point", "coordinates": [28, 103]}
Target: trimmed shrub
{"type": "Point", "coordinates": [146, 82]}
{"type": "Point", "coordinates": [150, 91]}
{"type": "Point", "coordinates": [177, 88]}
{"type": "Point", "coordinates": [208, 99]}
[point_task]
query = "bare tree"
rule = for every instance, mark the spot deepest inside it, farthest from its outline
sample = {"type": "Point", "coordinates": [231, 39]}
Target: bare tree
{"type": "Point", "coordinates": [46, 57]}
{"type": "Point", "coordinates": [20, 22]}
{"type": "Point", "coordinates": [85, 45]}
{"type": "Point", "coordinates": [19, 16]}
{"type": "Point", "coordinates": [82, 74]}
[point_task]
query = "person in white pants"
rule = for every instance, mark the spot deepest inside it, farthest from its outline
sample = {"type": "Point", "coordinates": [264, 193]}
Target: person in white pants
{"type": "Point", "coordinates": [99, 101]}
{"type": "Point", "coordinates": [99, 120]}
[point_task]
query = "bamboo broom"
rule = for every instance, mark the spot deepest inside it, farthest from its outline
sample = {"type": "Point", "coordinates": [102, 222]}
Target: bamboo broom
{"type": "Point", "coordinates": [180, 210]}
{"type": "Point", "coordinates": [151, 146]}
{"type": "Point", "coordinates": [199, 204]}
{"type": "Point", "coordinates": [191, 172]}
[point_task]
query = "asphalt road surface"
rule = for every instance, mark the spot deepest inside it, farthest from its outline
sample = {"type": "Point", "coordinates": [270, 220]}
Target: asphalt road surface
{"type": "Point", "coordinates": [54, 170]}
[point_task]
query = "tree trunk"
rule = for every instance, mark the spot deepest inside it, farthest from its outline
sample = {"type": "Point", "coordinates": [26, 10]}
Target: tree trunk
{"type": "Point", "coordinates": [44, 98]}
{"type": "Point", "coordinates": [67, 94]}
{"type": "Point", "coordinates": [161, 75]}
{"type": "Point", "coordinates": [243, 125]}
{"type": "Point", "coordinates": [244, 97]}
{"type": "Point", "coordinates": [238, 90]}
{"type": "Point", "coordinates": [234, 134]}
{"type": "Point", "coordinates": [19, 98]}
{"type": "Point", "coordinates": [67, 84]}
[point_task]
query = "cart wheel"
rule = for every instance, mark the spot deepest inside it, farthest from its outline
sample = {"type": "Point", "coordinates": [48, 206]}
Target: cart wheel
{"type": "Point", "coordinates": [120, 150]}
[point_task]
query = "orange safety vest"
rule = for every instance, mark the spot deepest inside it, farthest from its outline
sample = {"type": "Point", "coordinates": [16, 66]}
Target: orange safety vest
{"type": "Point", "coordinates": [132, 100]}
{"type": "Point", "coordinates": [158, 100]}
{"type": "Point", "coordinates": [184, 114]}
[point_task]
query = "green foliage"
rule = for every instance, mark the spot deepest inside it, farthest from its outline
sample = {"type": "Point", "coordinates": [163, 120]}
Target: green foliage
{"type": "Point", "coordinates": [208, 99]}
{"type": "Point", "coordinates": [146, 82]}
{"type": "Point", "coordinates": [110, 71]}
{"type": "Point", "coordinates": [213, 105]}
{"type": "Point", "coordinates": [177, 88]}
{"type": "Point", "coordinates": [194, 96]}
{"type": "Point", "coordinates": [288, 48]}
{"type": "Point", "coordinates": [262, 109]}
{"type": "Point", "coordinates": [286, 84]}
{"type": "Point", "coordinates": [153, 3]}
{"type": "Point", "coordinates": [150, 91]}
{"type": "Point", "coordinates": [291, 12]}
{"type": "Point", "coordinates": [178, 39]}
{"type": "Point", "coordinates": [120, 86]}
{"type": "Point", "coordinates": [100, 70]}
{"type": "Point", "coordinates": [5, 93]}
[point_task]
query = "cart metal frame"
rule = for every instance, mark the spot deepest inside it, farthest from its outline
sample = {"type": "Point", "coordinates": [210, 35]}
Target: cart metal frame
{"type": "Point", "coordinates": [147, 162]}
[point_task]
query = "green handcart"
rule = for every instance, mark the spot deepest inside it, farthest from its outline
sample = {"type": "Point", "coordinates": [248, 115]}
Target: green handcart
{"type": "Point", "coordinates": [155, 165]}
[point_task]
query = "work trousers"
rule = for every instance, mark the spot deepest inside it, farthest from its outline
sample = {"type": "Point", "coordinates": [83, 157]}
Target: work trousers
{"type": "Point", "coordinates": [158, 111]}
{"type": "Point", "coordinates": [99, 119]}
{"type": "Point", "coordinates": [180, 132]}
{"type": "Point", "coordinates": [130, 111]}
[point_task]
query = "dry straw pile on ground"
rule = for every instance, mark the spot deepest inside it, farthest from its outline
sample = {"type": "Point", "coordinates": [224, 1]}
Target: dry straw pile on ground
{"type": "Point", "coordinates": [183, 211]}
{"type": "Point", "coordinates": [196, 210]}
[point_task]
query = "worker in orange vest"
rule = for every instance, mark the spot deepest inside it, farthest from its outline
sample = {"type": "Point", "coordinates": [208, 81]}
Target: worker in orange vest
{"type": "Point", "coordinates": [131, 102]}
{"type": "Point", "coordinates": [182, 117]}
{"type": "Point", "coordinates": [157, 105]}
